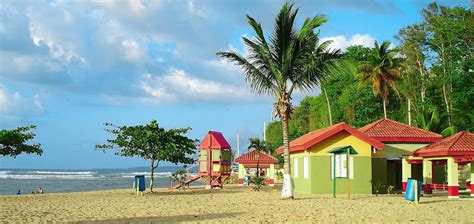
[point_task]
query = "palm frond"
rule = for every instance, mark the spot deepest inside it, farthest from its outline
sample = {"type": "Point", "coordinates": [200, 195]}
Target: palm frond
{"type": "Point", "coordinates": [259, 81]}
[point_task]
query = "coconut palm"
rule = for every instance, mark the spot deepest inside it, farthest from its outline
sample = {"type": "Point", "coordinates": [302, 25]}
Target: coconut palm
{"type": "Point", "coordinates": [429, 119]}
{"type": "Point", "coordinates": [282, 64]}
{"type": "Point", "coordinates": [259, 146]}
{"type": "Point", "coordinates": [381, 69]}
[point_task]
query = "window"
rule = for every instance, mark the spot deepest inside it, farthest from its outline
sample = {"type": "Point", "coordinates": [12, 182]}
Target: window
{"type": "Point", "coordinates": [341, 166]}
{"type": "Point", "coordinates": [305, 167]}
{"type": "Point", "coordinates": [295, 169]}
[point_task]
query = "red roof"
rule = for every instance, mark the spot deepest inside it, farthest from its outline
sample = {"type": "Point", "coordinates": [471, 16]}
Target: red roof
{"type": "Point", "coordinates": [386, 130]}
{"type": "Point", "coordinates": [251, 157]}
{"type": "Point", "coordinates": [460, 144]}
{"type": "Point", "coordinates": [312, 138]}
{"type": "Point", "coordinates": [214, 140]}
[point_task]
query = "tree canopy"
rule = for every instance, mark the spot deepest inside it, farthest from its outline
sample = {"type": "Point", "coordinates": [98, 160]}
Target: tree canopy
{"type": "Point", "coordinates": [152, 143]}
{"type": "Point", "coordinates": [437, 79]}
{"type": "Point", "coordinates": [14, 142]}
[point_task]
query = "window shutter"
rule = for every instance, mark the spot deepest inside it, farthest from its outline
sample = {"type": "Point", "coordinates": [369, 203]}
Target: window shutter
{"type": "Point", "coordinates": [296, 168]}
{"type": "Point", "coordinates": [332, 166]}
{"type": "Point", "coordinates": [305, 167]}
{"type": "Point", "coordinates": [351, 164]}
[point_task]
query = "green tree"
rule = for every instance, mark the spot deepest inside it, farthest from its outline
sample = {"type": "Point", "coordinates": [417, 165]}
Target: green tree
{"type": "Point", "coordinates": [273, 134]}
{"type": "Point", "coordinates": [414, 76]}
{"type": "Point", "coordinates": [14, 142]}
{"type": "Point", "coordinates": [429, 119]}
{"type": "Point", "coordinates": [450, 44]}
{"type": "Point", "coordinates": [381, 69]}
{"type": "Point", "coordinates": [438, 58]}
{"type": "Point", "coordinates": [283, 64]}
{"type": "Point", "coordinates": [152, 143]}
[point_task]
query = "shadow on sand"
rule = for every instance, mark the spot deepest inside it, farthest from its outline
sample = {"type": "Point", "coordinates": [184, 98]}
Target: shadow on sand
{"type": "Point", "coordinates": [168, 219]}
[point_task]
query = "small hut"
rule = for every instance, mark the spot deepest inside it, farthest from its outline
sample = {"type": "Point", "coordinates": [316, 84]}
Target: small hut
{"type": "Point", "coordinates": [453, 152]}
{"type": "Point", "coordinates": [266, 165]}
{"type": "Point", "coordinates": [215, 157]}
{"type": "Point", "coordinates": [399, 140]}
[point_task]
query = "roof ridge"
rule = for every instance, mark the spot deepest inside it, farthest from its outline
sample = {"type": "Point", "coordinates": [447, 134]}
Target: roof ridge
{"type": "Point", "coordinates": [409, 126]}
{"type": "Point", "coordinates": [373, 124]}
{"type": "Point", "coordinates": [456, 139]}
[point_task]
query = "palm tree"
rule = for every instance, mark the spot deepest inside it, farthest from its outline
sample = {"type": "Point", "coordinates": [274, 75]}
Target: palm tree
{"type": "Point", "coordinates": [430, 120]}
{"type": "Point", "coordinates": [382, 69]}
{"type": "Point", "coordinates": [259, 146]}
{"type": "Point", "coordinates": [283, 64]}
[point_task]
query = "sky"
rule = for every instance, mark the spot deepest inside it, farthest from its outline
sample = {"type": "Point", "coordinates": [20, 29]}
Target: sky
{"type": "Point", "coordinates": [70, 66]}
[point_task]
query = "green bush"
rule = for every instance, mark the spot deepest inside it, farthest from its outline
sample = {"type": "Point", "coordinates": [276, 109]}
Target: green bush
{"type": "Point", "coordinates": [258, 182]}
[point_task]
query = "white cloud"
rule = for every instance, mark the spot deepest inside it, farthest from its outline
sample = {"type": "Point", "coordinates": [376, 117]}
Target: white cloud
{"type": "Point", "coordinates": [342, 42]}
{"type": "Point", "coordinates": [178, 85]}
{"type": "Point", "coordinates": [13, 105]}
{"type": "Point", "coordinates": [54, 34]}
{"type": "Point", "coordinates": [134, 8]}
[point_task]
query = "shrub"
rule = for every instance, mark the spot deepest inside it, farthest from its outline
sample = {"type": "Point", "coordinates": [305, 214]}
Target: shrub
{"type": "Point", "coordinates": [279, 175]}
{"type": "Point", "coordinates": [180, 176]}
{"type": "Point", "coordinates": [258, 182]}
{"type": "Point", "coordinates": [378, 185]}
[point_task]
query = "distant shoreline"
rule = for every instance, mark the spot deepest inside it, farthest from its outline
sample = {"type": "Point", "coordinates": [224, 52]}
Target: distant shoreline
{"type": "Point", "coordinates": [55, 181]}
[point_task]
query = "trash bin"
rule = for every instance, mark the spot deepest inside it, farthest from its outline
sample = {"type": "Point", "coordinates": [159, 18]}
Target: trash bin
{"type": "Point", "coordinates": [410, 191]}
{"type": "Point", "coordinates": [140, 183]}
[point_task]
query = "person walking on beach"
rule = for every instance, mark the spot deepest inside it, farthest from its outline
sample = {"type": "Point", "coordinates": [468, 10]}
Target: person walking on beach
{"type": "Point", "coordinates": [18, 193]}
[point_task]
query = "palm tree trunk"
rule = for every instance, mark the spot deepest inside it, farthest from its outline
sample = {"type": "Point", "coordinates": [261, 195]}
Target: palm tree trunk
{"type": "Point", "coordinates": [152, 170]}
{"type": "Point", "coordinates": [329, 107]}
{"type": "Point", "coordinates": [287, 189]}
{"type": "Point", "coordinates": [384, 108]}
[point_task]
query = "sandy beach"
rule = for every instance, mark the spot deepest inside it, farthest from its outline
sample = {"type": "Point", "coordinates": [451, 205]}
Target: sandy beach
{"type": "Point", "coordinates": [231, 204]}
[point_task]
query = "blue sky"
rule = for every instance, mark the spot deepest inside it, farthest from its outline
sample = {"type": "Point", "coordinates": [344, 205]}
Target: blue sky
{"type": "Point", "coordinates": [68, 67]}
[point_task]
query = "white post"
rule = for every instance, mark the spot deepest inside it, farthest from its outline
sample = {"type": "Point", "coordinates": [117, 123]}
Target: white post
{"type": "Point", "coordinates": [409, 112]}
{"type": "Point", "coordinates": [238, 145]}
{"type": "Point", "coordinates": [264, 135]}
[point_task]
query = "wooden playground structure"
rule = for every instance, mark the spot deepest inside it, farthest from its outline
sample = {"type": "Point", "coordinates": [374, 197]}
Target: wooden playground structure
{"type": "Point", "coordinates": [214, 161]}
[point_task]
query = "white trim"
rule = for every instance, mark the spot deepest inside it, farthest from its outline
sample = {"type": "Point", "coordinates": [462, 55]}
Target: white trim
{"type": "Point", "coordinates": [453, 197]}
{"type": "Point", "coordinates": [305, 167]}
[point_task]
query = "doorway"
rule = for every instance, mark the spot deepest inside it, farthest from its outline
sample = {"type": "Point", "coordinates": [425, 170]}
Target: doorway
{"type": "Point", "coordinates": [394, 174]}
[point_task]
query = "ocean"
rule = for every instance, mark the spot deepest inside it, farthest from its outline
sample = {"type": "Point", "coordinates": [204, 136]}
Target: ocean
{"type": "Point", "coordinates": [53, 180]}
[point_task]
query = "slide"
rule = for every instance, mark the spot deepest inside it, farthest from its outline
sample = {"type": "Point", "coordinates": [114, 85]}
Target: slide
{"type": "Point", "coordinates": [185, 182]}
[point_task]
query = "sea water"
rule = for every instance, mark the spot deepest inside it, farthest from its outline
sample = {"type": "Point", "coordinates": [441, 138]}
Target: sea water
{"type": "Point", "coordinates": [29, 180]}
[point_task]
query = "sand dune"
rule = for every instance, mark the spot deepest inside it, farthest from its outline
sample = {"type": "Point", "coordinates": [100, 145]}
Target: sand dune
{"type": "Point", "coordinates": [232, 204]}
